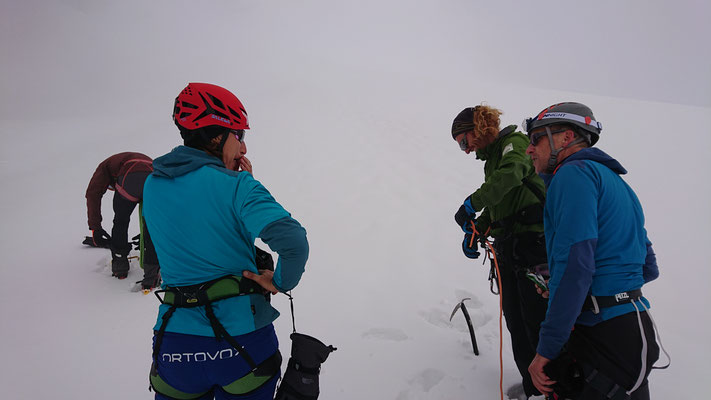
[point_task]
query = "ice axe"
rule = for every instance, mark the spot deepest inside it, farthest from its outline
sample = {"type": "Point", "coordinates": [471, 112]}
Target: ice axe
{"type": "Point", "coordinates": [469, 322]}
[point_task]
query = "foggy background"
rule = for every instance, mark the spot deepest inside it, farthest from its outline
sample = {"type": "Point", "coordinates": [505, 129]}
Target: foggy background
{"type": "Point", "coordinates": [350, 107]}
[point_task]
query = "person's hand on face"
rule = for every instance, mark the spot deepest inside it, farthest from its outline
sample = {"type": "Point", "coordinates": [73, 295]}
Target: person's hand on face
{"type": "Point", "coordinates": [244, 165]}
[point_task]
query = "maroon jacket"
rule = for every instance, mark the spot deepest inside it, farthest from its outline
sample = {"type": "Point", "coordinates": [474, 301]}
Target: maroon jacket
{"type": "Point", "coordinates": [110, 175]}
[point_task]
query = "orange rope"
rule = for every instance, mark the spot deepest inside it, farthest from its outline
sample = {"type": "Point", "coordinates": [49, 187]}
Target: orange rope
{"type": "Point", "coordinates": [501, 314]}
{"type": "Point", "coordinates": [490, 249]}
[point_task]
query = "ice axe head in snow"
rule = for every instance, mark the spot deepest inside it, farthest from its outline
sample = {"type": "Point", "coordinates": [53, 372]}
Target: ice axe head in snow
{"type": "Point", "coordinates": [470, 325]}
{"type": "Point", "coordinates": [457, 307]}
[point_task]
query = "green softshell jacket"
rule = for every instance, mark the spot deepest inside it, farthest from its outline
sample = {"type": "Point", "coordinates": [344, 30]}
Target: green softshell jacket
{"type": "Point", "coordinates": [503, 192]}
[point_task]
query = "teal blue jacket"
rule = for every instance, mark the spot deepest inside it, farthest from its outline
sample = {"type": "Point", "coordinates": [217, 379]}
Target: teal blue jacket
{"type": "Point", "coordinates": [203, 220]}
{"type": "Point", "coordinates": [596, 242]}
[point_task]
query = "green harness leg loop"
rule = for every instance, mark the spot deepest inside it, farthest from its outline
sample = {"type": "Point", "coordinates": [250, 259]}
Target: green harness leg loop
{"type": "Point", "coordinates": [160, 386]}
{"type": "Point", "coordinates": [246, 384]}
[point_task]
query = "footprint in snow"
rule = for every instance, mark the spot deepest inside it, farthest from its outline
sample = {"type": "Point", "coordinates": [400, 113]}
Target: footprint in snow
{"type": "Point", "coordinates": [436, 317]}
{"type": "Point", "coordinates": [422, 382]}
{"type": "Point", "coordinates": [428, 378]}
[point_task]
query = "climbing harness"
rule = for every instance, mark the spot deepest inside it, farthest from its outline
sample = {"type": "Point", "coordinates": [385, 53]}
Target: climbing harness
{"type": "Point", "coordinates": [599, 381]}
{"type": "Point", "coordinates": [204, 295]}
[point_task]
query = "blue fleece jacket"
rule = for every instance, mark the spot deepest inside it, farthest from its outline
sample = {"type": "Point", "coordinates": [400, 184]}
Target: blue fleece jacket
{"type": "Point", "coordinates": [203, 220]}
{"type": "Point", "coordinates": [596, 244]}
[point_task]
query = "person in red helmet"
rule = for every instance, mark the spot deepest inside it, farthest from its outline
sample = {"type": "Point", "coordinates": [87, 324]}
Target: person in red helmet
{"type": "Point", "coordinates": [214, 336]}
{"type": "Point", "coordinates": [125, 174]}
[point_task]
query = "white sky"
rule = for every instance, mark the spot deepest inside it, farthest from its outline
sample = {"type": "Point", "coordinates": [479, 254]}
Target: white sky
{"type": "Point", "coordinates": [80, 57]}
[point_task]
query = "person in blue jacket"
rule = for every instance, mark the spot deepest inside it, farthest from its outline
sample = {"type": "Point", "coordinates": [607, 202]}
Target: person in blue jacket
{"type": "Point", "coordinates": [599, 257]}
{"type": "Point", "coordinates": [214, 336]}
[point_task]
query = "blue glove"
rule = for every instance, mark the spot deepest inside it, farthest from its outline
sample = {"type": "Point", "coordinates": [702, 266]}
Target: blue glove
{"type": "Point", "coordinates": [465, 216]}
{"type": "Point", "coordinates": [468, 205]}
{"type": "Point", "coordinates": [470, 246]}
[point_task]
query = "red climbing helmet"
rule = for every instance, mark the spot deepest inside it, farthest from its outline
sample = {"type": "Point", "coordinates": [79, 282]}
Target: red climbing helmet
{"type": "Point", "coordinates": [202, 104]}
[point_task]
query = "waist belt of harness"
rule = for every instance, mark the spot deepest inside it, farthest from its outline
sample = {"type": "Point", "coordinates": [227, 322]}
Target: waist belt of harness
{"type": "Point", "coordinates": [204, 294]}
{"type": "Point", "coordinates": [595, 303]}
{"type": "Point", "coordinates": [529, 215]}
{"type": "Point", "coordinates": [208, 292]}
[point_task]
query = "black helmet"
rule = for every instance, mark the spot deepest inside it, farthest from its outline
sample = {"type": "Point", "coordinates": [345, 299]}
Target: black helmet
{"type": "Point", "coordinates": [570, 113]}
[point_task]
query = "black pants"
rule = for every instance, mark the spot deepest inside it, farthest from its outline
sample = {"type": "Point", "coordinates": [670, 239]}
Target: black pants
{"type": "Point", "coordinates": [614, 348]}
{"type": "Point", "coordinates": [524, 310]}
{"type": "Point", "coordinates": [123, 208]}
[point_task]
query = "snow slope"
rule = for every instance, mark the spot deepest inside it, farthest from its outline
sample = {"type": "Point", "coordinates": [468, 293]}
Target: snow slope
{"type": "Point", "coordinates": [360, 153]}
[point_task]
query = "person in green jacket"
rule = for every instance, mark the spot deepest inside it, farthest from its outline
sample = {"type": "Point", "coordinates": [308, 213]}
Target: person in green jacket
{"type": "Point", "coordinates": [508, 207]}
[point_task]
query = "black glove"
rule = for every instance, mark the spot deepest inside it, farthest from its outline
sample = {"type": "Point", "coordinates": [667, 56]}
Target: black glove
{"type": "Point", "coordinates": [465, 216]}
{"type": "Point", "coordinates": [100, 238]}
{"type": "Point", "coordinates": [264, 260]}
{"type": "Point", "coordinates": [89, 241]}
{"type": "Point", "coordinates": [301, 378]}
{"type": "Point", "coordinates": [136, 242]}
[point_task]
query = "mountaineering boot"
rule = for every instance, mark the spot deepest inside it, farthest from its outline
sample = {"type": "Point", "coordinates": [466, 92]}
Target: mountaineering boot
{"type": "Point", "coordinates": [119, 265]}
{"type": "Point", "coordinates": [151, 277]}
